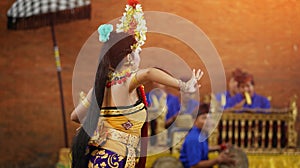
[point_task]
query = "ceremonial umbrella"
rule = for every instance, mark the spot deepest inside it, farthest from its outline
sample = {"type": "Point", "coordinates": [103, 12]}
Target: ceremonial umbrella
{"type": "Point", "coordinates": [31, 14]}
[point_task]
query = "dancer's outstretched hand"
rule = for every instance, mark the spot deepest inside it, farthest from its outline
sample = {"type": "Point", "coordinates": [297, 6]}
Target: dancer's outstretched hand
{"type": "Point", "coordinates": [192, 84]}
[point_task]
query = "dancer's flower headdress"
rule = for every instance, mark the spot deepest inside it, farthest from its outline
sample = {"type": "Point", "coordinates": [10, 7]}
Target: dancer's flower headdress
{"type": "Point", "coordinates": [132, 22]}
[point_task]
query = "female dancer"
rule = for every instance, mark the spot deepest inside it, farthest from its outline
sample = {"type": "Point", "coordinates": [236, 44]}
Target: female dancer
{"type": "Point", "coordinates": [113, 113]}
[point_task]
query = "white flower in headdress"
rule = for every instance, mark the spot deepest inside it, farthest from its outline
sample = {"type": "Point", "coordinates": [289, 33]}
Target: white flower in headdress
{"type": "Point", "coordinates": [138, 8]}
{"type": "Point", "coordinates": [133, 22]}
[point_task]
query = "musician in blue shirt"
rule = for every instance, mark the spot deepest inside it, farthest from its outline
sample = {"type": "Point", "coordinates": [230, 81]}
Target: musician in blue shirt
{"type": "Point", "coordinates": [247, 98]}
{"type": "Point", "coordinates": [232, 89]}
{"type": "Point", "coordinates": [165, 103]}
{"type": "Point", "coordinates": [194, 151]}
{"type": "Point", "coordinates": [173, 105]}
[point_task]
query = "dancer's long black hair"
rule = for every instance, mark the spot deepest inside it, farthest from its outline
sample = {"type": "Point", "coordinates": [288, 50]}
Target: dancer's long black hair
{"type": "Point", "coordinates": [112, 53]}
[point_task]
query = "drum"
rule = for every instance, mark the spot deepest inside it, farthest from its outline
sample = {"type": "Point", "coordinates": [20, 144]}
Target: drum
{"type": "Point", "coordinates": [167, 162]}
{"type": "Point", "coordinates": [240, 156]}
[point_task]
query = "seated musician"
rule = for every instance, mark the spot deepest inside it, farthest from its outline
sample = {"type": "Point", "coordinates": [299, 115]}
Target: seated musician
{"type": "Point", "coordinates": [232, 87]}
{"type": "Point", "coordinates": [194, 152]}
{"type": "Point", "coordinates": [247, 98]}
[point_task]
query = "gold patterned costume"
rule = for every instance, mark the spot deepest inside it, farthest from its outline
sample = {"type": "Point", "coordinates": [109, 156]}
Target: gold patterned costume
{"type": "Point", "coordinates": [118, 132]}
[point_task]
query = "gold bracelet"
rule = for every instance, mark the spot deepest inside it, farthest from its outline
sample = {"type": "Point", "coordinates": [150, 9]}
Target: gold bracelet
{"type": "Point", "coordinates": [134, 79]}
{"type": "Point", "coordinates": [85, 103]}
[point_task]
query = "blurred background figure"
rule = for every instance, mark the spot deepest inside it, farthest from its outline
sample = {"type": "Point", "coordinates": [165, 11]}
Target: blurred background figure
{"type": "Point", "coordinates": [247, 98]}
{"type": "Point", "coordinates": [232, 88]}
{"type": "Point", "coordinates": [194, 153]}
{"type": "Point", "coordinates": [163, 109]}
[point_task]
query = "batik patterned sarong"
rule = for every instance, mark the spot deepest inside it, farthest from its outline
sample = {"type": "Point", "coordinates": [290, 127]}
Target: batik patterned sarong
{"type": "Point", "coordinates": [103, 158]}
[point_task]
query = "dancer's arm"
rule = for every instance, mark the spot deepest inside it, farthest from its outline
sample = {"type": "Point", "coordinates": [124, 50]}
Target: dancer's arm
{"type": "Point", "coordinates": [158, 76]}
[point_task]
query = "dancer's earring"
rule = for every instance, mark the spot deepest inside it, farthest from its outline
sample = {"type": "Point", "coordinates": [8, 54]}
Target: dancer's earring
{"type": "Point", "coordinates": [129, 60]}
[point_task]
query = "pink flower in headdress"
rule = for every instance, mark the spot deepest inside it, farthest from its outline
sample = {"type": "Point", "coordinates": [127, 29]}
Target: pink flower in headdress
{"type": "Point", "coordinates": [132, 27]}
{"type": "Point", "coordinates": [133, 3]}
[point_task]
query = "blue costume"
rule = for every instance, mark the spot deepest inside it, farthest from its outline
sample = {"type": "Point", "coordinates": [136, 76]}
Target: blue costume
{"type": "Point", "coordinates": [193, 151]}
{"type": "Point", "coordinates": [172, 103]}
{"type": "Point", "coordinates": [223, 98]}
{"type": "Point", "coordinates": [173, 106]}
{"type": "Point", "coordinates": [258, 101]}
{"type": "Point", "coordinates": [191, 107]}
